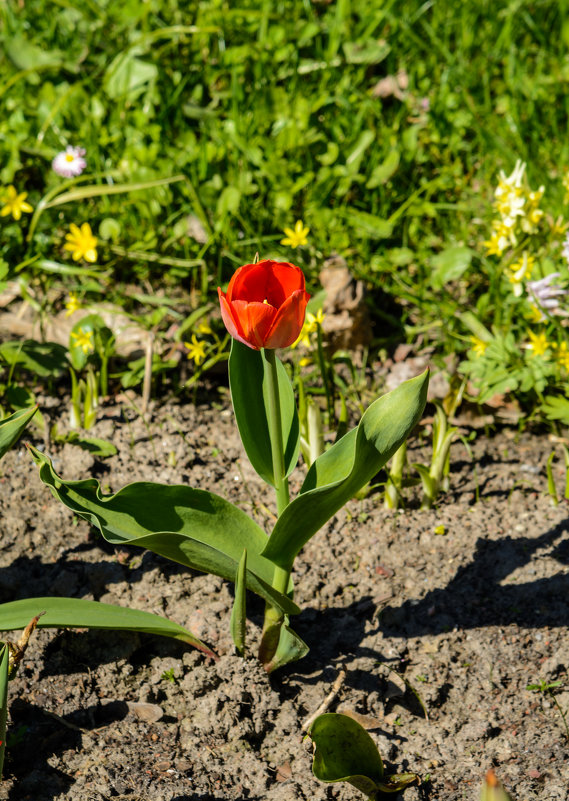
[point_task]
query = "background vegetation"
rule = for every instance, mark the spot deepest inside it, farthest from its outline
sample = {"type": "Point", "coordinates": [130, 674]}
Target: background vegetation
{"type": "Point", "coordinates": [382, 125]}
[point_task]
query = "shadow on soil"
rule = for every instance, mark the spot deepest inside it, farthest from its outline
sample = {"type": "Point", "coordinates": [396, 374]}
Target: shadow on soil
{"type": "Point", "coordinates": [477, 597]}
{"type": "Point", "coordinates": [35, 736]}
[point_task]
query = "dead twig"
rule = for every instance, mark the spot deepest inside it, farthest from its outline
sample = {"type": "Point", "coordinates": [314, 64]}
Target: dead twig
{"type": "Point", "coordinates": [327, 702]}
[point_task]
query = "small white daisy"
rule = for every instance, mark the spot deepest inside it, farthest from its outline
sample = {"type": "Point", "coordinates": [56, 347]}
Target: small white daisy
{"type": "Point", "coordinates": [70, 162]}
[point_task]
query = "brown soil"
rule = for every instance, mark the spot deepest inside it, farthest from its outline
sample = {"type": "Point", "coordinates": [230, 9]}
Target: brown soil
{"type": "Point", "coordinates": [469, 618]}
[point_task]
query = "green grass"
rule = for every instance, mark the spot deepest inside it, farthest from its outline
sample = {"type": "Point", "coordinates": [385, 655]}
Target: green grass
{"type": "Point", "coordinates": [268, 110]}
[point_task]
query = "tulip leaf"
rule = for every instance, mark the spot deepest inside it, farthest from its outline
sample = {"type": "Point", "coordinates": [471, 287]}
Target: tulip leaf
{"type": "Point", "coordinates": [81, 613]}
{"type": "Point", "coordinates": [193, 527]}
{"type": "Point", "coordinates": [290, 648]}
{"type": "Point", "coordinates": [238, 623]}
{"type": "Point", "coordinates": [248, 380]}
{"type": "Point", "coordinates": [345, 752]}
{"type": "Point", "coordinates": [346, 467]}
{"type": "Point", "coordinates": [4, 670]}
{"type": "Point", "coordinates": [11, 428]}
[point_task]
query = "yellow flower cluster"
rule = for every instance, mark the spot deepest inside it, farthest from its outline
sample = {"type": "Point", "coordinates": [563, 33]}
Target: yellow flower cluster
{"type": "Point", "coordinates": [539, 345]}
{"type": "Point", "coordinates": [518, 210]}
{"type": "Point", "coordinates": [562, 355]}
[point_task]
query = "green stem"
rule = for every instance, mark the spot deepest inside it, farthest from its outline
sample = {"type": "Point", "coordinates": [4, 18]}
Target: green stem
{"type": "Point", "coordinates": [275, 431]}
{"type": "Point", "coordinates": [325, 376]}
{"type": "Point", "coordinates": [274, 617]}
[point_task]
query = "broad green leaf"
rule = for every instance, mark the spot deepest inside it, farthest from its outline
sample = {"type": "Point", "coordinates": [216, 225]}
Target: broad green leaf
{"type": "Point", "coordinates": [249, 381]}
{"type": "Point", "coordinates": [80, 613]}
{"type": "Point", "coordinates": [371, 51]}
{"type": "Point", "coordinates": [450, 265]}
{"type": "Point", "coordinates": [45, 359]}
{"type": "Point", "coordinates": [556, 408]}
{"type": "Point", "coordinates": [128, 76]}
{"type": "Point", "coordinates": [28, 56]}
{"type": "Point", "coordinates": [12, 427]}
{"type": "Point", "coordinates": [383, 172]}
{"type": "Point", "coordinates": [98, 447]}
{"type": "Point", "coordinates": [238, 623]}
{"type": "Point", "coordinates": [228, 201]}
{"type": "Point", "coordinates": [346, 467]}
{"type": "Point", "coordinates": [193, 527]}
{"type": "Point", "coordinates": [4, 664]}
{"type": "Point", "coordinates": [368, 224]}
{"type": "Point", "coordinates": [345, 752]}
{"type": "Point", "coordinates": [365, 139]}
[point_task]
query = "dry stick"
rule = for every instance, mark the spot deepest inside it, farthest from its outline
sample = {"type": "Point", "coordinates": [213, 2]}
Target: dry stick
{"type": "Point", "coordinates": [336, 687]}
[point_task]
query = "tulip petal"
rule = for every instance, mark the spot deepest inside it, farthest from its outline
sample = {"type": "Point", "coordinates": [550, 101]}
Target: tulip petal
{"type": "Point", "coordinates": [273, 281]}
{"type": "Point", "coordinates": [227, 316]}
{"type": "Point", "coordinates": [288, 322]}
{"type": "Point", "coordinates": [255, 319]}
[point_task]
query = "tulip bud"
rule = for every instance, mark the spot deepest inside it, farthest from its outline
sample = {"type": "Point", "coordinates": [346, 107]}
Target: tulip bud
{"type": "Point", "coordinates": [265, 304]}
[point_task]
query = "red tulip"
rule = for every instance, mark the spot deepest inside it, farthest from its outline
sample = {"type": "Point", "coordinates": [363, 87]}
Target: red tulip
{"type": "Point", "coordinates": [265, 304]}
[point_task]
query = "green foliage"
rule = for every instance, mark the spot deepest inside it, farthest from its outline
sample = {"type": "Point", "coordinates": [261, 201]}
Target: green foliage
{"type": "Point", "coordinates": [238, 622]}
{"type": "Point", "coordinates": [249, 387]}
{"type": "Point", "coordinates": [346, 467]}
{"type": "Point", "coordinates": [11, 428]}
{"type": "Point", "coordinates": [79, 613]}
{"type": "Point", "coordinates": [345, 752]}
{"type": "Point", "coordinates": [193, 527]}
{"type": "Point", "coordinates": [275, 112]}
{"type": "Point", "coordinates": [203, 531]}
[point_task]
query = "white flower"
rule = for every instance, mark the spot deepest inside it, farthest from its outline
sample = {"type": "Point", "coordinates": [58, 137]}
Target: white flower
{"type": "Point", "coordinates": [70, 162]}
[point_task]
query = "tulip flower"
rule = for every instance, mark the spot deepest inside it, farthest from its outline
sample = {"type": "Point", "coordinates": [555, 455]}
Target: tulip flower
{"type": "Point", "coordinates": [265, 304]}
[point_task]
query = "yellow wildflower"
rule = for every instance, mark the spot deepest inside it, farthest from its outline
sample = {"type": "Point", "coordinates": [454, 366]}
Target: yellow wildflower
{"type": "Point", "coordinates": [502, 236]}
{"type": "Point", "coordinates": [538, 344]}
{"type": "Point", "coordinates": [562, 355]}
{"type": "Point", "coordinates": [559, 226]}
{"type": "Point", "coordinates": [536, 314]}
{"type": "Point", "coordinates": [196, 350]}
{"type": "Point", "coordinates": [296, 236]}
{"type": "Point", "coordinates": [81, 243]}
{"type": "Point", "coordinates": [83, 340]}
{"type": "Point", "coordinates": [509, 193]}
{"type": "Point", "coordinates": [533, 213]}
{"type": "Point", "coordinates": [204, 328]}
{"type": "Point", "coordinates": [311, 323]}
{"type": "Point", "coordinates": [478, 346]}
{"type": "Point", "coordinates": [521, 270]}
{"type": "Point", "coordinates": [72, 305]}
{"type": "Point", "coordinates": [14, 203]}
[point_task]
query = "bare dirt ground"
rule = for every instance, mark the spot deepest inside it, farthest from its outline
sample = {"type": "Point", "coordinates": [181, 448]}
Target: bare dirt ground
{"type": "Point", "coordinates": [469, 618]}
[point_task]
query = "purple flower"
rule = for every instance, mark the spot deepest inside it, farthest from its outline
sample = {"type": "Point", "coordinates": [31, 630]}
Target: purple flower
{"type": "Point", "coordinates": [546, 294]}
